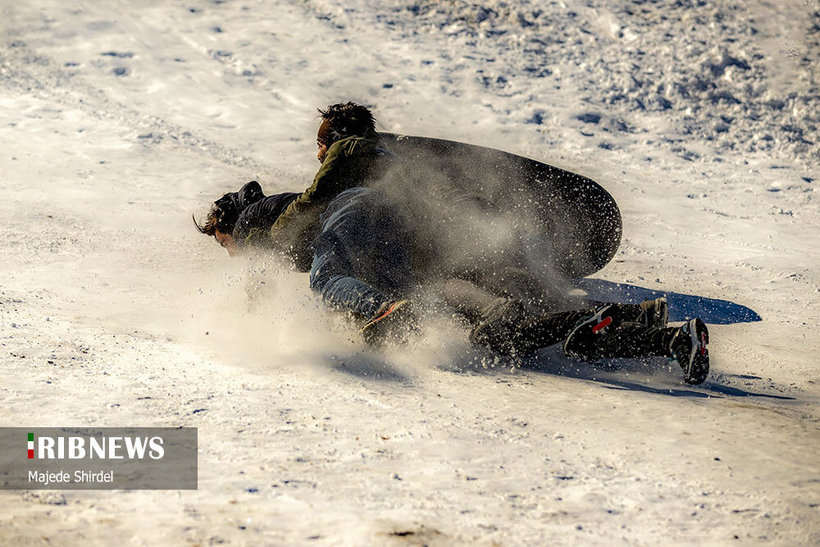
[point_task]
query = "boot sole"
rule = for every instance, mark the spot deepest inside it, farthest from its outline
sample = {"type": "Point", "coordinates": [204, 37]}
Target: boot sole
{"type": "Point", "coordinates": [698, 355]}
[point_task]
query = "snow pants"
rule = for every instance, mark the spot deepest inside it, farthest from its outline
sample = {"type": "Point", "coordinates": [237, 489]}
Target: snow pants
{"type": "Point", "coordinates": [624, 339]}
{"type": "Point", "coordinates": [506, 326]}
{"type": "Point", "coordinates": [361, 259]}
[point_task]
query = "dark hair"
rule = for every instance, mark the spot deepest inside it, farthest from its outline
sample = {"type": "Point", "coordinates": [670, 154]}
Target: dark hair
{"type": "Point", "coordinates": [213, 222]}
{"type": "Point", "coordinates": [226, 210]}
{"type": "Point", "coordinates": [343, 120]}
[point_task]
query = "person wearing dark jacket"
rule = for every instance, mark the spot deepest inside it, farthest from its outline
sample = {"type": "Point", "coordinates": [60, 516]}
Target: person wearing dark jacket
{"type": "Point", "coordinates": [237, 218]}
{"type": "Point", "coordinates": [359, 253]}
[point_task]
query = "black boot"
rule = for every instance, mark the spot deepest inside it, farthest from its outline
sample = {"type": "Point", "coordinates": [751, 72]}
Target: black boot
{"type": "Point", "coordinates": [605, 334]}
{"type": "Point", "coordinates": [688, 347]}
{"type": "Point", "coordinates": [602, 335]}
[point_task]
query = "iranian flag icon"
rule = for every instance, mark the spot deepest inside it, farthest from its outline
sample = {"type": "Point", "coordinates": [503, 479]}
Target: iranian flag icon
{"type": "Point", "coordinates": [31, 446]}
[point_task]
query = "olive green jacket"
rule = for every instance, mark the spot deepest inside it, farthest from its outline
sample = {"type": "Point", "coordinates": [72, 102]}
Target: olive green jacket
{"type": "Point", "coordinates": [352, 161]}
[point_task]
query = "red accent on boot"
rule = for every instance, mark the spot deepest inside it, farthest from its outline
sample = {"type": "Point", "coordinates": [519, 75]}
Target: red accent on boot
{"type": "Point", "coordinates": [602, 325]}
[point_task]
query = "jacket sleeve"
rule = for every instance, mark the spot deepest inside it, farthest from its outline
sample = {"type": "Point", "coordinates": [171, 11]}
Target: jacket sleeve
{"type": "Point", "coordinates": [295, 228]}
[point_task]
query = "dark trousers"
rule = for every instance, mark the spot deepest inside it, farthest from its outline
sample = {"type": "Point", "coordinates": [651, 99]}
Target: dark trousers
{"type": "Point", "coordinates": [623, 338]}
{"type": "Point", "coordinates": [361, 259]}
{"type": "Point", "coordinates": [510, 326]}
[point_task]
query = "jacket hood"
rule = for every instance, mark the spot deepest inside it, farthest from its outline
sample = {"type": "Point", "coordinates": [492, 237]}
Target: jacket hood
{"type": "Point", "coordinates": [232, 204]}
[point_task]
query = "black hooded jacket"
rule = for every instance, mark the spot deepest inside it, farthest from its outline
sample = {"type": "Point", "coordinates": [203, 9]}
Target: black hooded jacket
{"type": "Point", "coordinates": [249, 211]}
{"type": "Point", "coordinates": [260, 216]}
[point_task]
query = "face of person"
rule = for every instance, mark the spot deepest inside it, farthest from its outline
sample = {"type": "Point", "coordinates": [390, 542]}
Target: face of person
{"type": "Point", "coordinates": [322, 152]}
{"type": "Point", "coordinates": [227, 241]}
{"type": "Point", "coordinates": [322, 138]}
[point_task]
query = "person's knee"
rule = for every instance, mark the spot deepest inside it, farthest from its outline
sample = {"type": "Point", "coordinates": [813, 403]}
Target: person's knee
{"type": "Point", "coordinates": [352, 205]}
{"type": "Point", "coordinates": [324, 278]}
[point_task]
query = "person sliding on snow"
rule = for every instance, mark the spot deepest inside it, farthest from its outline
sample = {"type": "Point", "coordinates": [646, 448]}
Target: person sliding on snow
{"type": "Point", "coordinates": [362, 265]}
{"type": "Point", "coordinates": [361, 250]}
{"type": "Point", "coordinates": [237, 216]}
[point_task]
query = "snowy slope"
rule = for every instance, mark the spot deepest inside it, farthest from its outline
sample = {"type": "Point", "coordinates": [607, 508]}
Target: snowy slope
{"type": "Point", "coordinates": [120, 119]}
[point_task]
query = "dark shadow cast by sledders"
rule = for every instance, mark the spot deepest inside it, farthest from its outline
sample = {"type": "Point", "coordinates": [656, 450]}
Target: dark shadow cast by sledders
{"type": "Point", "coordinates": [368, 367]}
{"type": "Point", "coordinates": [682, 307]}
{"type": "Point", "coordinates": [705, 390]}
{"type": "Point", "coordinates": [737, 392]}
{"type": "Point", "coordinates": [655, 375]}
{"type": "Point", "coordinates": [616, 373]}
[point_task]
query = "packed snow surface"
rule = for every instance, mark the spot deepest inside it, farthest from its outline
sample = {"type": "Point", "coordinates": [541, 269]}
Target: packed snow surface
{"type": "Point", "coordinates": [119, 119]}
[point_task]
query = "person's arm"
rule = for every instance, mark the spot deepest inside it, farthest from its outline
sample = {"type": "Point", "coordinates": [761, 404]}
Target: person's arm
{"type": "Point", "coordinates": [326, 185]}
{"type": "Point", "coordinates": [296, 227]}
{"type": "Point", "coordinates": [261, 215]}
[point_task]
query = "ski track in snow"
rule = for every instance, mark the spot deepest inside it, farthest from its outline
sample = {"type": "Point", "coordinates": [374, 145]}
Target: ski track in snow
{"type": "Point", "coordinates": [699, 117]}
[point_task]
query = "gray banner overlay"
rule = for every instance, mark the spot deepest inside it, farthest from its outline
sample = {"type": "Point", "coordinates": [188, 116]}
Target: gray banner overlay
{"type": "Point", "coordinates": [98, 458]}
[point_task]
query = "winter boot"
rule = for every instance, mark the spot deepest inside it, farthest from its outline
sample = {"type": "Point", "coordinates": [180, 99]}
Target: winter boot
{"type": "Point", "coordinates": [394, 322]}
{"type": "Point", "coordinates": [584, 337]}
{"type": "Point", "coordinates": [688, 347]}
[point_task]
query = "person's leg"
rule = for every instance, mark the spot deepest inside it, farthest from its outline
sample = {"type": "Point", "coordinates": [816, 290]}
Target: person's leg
{"type": "Point", "coordinates": [604, 335]}
{"type": "Point", "coordinates": [344, 292]}
{"type": "Point", "coordinates": [465, 297]}
{"type": "Point", "coordinates": [606, 332]}
{"type": "Point", "coordinates": [505, 326]}
{"type": "Point", "coordinates": [360, 260]}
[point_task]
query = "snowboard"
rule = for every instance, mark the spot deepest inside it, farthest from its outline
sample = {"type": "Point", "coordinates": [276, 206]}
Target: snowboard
{"type": "Point", "coordinates": [575, 215]}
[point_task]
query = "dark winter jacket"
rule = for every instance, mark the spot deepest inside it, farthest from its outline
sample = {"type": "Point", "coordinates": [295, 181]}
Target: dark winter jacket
{"type": "Point", "coordinates": [232, 204]}
{"type": "Point", "coordinates": [352, 161]}
{"type": "Point", "coordinates": [256, 219]}
{"type": "Point", "coordinates": [246, 213]}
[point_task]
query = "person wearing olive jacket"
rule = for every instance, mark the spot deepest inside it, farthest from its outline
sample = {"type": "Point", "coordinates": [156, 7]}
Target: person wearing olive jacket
{"type": "Point", "coordinates": [352, 154]}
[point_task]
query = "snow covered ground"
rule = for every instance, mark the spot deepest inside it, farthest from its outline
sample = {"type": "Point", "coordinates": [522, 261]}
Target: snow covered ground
{"type": "Point", "coordinates": [119, 119]}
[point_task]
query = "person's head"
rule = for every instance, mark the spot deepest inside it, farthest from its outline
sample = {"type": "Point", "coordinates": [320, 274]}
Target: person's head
{"type": "Point", "coordinates": [343, 120]}
{"type": "Point", "coordinates": [218, 225]}
{"type": "Point", "coordinates": [225, 212]}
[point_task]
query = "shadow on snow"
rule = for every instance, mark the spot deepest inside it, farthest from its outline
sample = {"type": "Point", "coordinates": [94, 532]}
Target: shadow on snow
{"type": "Point", "coordinates": [682, 307]}
{"type": "Point", "coordinates": [609, 373]}
{"type": "Point", "coordinates": [368, 367]}
{"type": "Point", "coordinates": [656, 375]}
{"type": "Point", "coordinates": [615, 374]}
